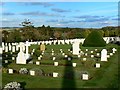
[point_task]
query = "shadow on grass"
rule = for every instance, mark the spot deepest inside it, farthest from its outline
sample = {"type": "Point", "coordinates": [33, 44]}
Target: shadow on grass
{"type": "Point", "coordinates": [69, 77]}
{"type": "Point", "coordinates": [23, 85]}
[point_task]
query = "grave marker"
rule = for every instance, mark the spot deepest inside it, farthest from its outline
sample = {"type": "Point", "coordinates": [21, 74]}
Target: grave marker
{"type": "Point", "coordinates": [42, 47]}
{"type": "Point", "coordinates": [55, 74]}
{"type": "Point", "coordinates": [55, 63]}
{"type": "Point", "coordinates": [75, 47]}
{"type": "Point", "coordinates": [85, 76]}
{"type": "Point", "coordinates": [10, 71]}
{"type": "Point", "coordinates": [104, 55]}
{"type": "Point", "coordinates": [32, 72]}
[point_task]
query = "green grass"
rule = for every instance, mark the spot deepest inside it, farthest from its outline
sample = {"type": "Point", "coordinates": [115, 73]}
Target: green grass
{"type": "Point", "coordinates": [104, 77]}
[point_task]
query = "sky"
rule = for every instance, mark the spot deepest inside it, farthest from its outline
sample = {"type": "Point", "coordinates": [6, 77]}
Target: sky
{"type": "Point", "coordinates": [60, 14]}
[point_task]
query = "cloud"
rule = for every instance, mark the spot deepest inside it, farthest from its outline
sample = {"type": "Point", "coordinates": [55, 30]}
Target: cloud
{"type": "Point", "coordinates": [96, 19]}
{"type": "Point", "coordinates": [8, 13]}
{"type": "Point", "coordinates": [44, 4]}
{"type": "Point", "coordinates": [52, 21]}
{"type": "Point", "coordinates": [61, 21]}
{"type": "Point", "coordinates": [37, 13]}
{"type": "Point", "coordinates": [59, 10]}
{"type": "Point", "coordinates": [117, 19]}
{"type": "Point", "coordinates": [88, 18]}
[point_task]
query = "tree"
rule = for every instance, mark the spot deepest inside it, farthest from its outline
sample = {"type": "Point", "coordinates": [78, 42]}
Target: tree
{"type": "Point", "coordinates": [86, 33]}
{"type": "Point", "coordinates": [57, 34]}
{"type": "Point", "coordinates": [101, 32]}
{"type": "Point", "coordinates": [94, 39]}
{"type": "Point", "coordinates": [5, 35]}
{"type": "Point", "coordinates": [106, 33]}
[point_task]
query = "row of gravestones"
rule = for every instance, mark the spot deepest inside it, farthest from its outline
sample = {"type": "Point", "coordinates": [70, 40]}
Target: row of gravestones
{"type": "Point", "coordinates": [54, 74]}
{"type": "Point", "coordinates": [15, 46]}
{"type": "Point", "coordinates": [69, 41]}
{"type": "Point", "coordinates": [54, 42]}
{"type": "Point", "coordinates": [97, 65]}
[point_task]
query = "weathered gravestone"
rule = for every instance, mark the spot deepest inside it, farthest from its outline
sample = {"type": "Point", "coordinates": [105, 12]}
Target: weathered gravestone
{"type": "Point", "coordinates": [42, 47]}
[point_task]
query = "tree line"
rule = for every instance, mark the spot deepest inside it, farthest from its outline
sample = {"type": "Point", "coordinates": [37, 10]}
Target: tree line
{"type": "Point", "coordinates": [31, 33]}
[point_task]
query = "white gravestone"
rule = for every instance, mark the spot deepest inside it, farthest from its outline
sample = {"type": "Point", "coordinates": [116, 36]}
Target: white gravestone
{"type": "Point", "coordinates": [6, 48]}
{"type": "Point", "coordinates": [95, 49]}
{"type": "Point", "coordinates": [54, 58]}
{"type": "Point", "coordinates": [114, 50]}
{"type": "Point", "coordinates": [13, 58]}
{"type": "Point", "coordinates": [68, 49]}
{"type": "Point", "coordinates": [97, 65]}
{"type": "Point", "coordinates": [10, 71]}
{"type": "Point", "coordinates": [66, 56]}
{"type": "Point", "coordinates": [39, 58]}
{"type": "Point", "coordinates": [92, 56]}
{"type": "Point", "coordinates": [63, 54]}
{"type": "Point", "coordinates": [13, 48]}
{"type": "Point", "coordinates": [86, 54]}
{"type": "Point", "coordinates": [69, 58]}
{"type": "Point", "coordinates": [108, 56]}
{"type": "Point", "coordinates": [84, 59]}
{"type": "Point", "coordinates": [21, 59]}
{"type": "Point", "coordinates": [6, 61]}
{"type": "Point", "coordinates": [55, 74]}
{"type": "Point", "coordinates": [104, 55]}
{"type": "Point", "coordinates": [79, 56]}
{"type": "Point", "coordinates": [91, 51]}
{"type": "Point", "coordinates": [98, 54]}
{"type": "Point", "coordinates": [17, 47]}
{"type": "Point", "coordinates": [27, 55]}
{"type": "Point", "coordinates": [32, 72]}
{"type": "Point", "coordinates": [37, 63]}
{"type": "Point", "coordinates": [111, 54]}
{"type": "Point", "coordinates": [55, 63]}
{"type": "Point", "coordinates": [52, 54]}
{"type": "Point", "coordinates": [1, 50]}
{"type": "Point", "coordinates": [85, 76]}
{"type": "Point", "coordinates": [74, 64]}
{"type": "Point", "coordinates": [9, 47]}
{"type": "Point", "coordinates": [75, 47]}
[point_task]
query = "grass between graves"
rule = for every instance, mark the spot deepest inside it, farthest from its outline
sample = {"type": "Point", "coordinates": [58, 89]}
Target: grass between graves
{"type": "Point", "coordinates": [104, 77]}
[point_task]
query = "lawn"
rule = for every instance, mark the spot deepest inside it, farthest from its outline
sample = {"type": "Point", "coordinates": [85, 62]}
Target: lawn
{"type": "Point", "coordinates": [104, 77]}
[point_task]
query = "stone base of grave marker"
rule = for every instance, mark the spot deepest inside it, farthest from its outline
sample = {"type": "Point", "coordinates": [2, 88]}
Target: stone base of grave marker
{"type": "Point", "coordinates": [74, 64]}
{"type": "Point", "coordinates": [97, 65]}
{"type": "Point", "coordinates": [55, 74]}
{"type": "Point", "coordinates": [84, 76]}
{"type": "Point", "coordinates": [10, 71]}
{"type": "Point", "coordinates": [32, 72]}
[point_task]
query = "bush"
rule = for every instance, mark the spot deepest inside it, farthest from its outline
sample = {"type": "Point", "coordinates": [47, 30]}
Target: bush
{"type": "Point", "coordinates": [23, 71]}
{"type": "Point", "coordinates": [38, 71]}
{"type": "Point", "coordinates": [13, 86]}
{"type": "Point", "coordinates": [4, 70]}
{"type": "Point", "coordinates": [94, 39]}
